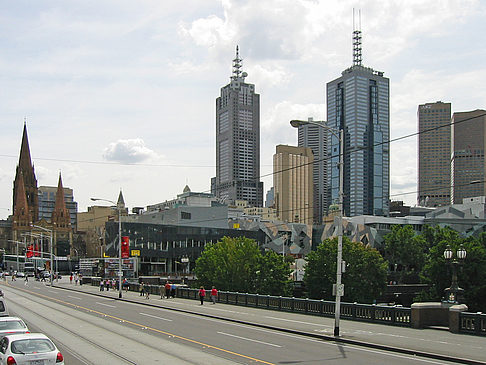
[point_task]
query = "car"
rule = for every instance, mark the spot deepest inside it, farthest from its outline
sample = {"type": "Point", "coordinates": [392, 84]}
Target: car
{"type": "Point", "coordinates": [3, 307]}
{"type": "Point", "coordinates": [29, 348]}
{"type": "Point", "coordinates": [20, 274]}
{"type": "Point", "coordinates": [12, 325]}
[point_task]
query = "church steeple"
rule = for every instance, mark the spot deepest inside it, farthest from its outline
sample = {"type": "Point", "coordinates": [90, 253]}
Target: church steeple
{"type": "Point", "coordinates": [21, 213]}
{"type": "Point", "coordinates": [60, 217]}
{"type": "Point", "coordinates": [25, 168]}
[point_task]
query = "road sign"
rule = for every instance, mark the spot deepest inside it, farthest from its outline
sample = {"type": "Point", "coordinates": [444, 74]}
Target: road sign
{"type": "Point", "coordinates": [338, 290]}
{"type": "Point", "coordinates": [120, 273]}
{"type": "Point", "coordinates": [135, 252]}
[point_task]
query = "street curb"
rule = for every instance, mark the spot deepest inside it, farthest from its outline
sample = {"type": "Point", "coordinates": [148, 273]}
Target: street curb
{"type": "Point", "coordinates": [338, 340]}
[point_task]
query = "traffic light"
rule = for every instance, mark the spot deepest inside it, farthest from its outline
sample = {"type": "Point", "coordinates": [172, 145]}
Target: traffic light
{"type": "Point", "coordinates": [125, 247]}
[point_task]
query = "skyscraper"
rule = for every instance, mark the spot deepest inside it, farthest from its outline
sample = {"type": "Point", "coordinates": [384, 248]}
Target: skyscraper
{"type": "Point", "coordinates": [238, 141]}
{"type": "Point", "coordinates": [434, 154]}
{"type": "Point", "coordinates": [292, 181]}
{"type": "Point", "coordinates": [315, 138]}
{"type": "Point", "coordinates": [358, 103]}
{"type": "Point", "coordinates": [467, 155]}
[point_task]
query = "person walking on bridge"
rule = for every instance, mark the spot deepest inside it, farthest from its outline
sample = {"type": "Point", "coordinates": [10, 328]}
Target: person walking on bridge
{"type": "Point", "coordinates": [214, 294]}
{"type": "Point", "coordinates": [202, 294]}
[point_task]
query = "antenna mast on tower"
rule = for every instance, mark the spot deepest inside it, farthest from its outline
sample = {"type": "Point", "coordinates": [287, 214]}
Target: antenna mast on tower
{"type": "Point", "coordinates": [357, 56]}
{"type": "Point", "coordinates": [236, 65]}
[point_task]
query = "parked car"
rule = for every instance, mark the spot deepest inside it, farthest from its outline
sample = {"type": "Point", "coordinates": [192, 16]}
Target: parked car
{"type": "Point", "coordinates": [29, 348]}
{"type": "Point", "coordinates": [12, 325]}
{"type": "Point", "coordinates": [3, 307]}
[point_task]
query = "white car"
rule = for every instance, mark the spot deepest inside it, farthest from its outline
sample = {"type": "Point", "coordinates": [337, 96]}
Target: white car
{"type": "Point", "coordinates": [29, 348]}
{"type": "Point", "coordinates": [12, 325]}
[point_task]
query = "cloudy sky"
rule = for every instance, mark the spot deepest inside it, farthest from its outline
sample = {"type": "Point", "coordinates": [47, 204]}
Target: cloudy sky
{"type": "Point", "coordinates": [120, 94]}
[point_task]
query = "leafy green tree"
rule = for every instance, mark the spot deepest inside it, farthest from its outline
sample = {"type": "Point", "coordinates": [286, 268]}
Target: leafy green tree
{"type": "Point", "coordinates": [273, 275]}
{"type": "Point", "coordinates": [471, 275]}
{"type": "Point", "coordinates": [405, 249]}
{"type": "Point", "coordinates": [364, 279]}
{"type": "Point", "coordinates": [237, 264]}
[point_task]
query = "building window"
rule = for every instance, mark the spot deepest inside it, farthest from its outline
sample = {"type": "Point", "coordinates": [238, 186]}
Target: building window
{"type": "Point", "coordinates": [185, 215]}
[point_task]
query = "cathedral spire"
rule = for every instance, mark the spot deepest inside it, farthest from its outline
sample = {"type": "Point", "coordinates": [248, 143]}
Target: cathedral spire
{"type": "Point", "coordinates": [60, 216]}
{"type": "Point", "coordinates": [21, 213]}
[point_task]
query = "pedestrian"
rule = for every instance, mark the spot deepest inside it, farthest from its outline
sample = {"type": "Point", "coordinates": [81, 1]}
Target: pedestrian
{"type": "Point", "coordinates": [214, 294]}
{"type": "Point", "coordinates": [80, 279]}
{"type": "Point", "coordinates": [167, 289]}
{"type": "Point", "coordinates": [102, 285]}
{"type": "Point", "coordinates": [147, 292]}
{"type": "Point", "coordinates": [107, 284]}
{"type": "Point", "coordinates": [125, 284]}
{"type": "Point", "coordinates": [142, 289]}
{"type": "Point", "coordinates": [173, 290]}
{"type": "Point", "coordinates": [26, 280]}
{"type": "Point", "coordinates": [202, 294]}
{"type": "Point", "coordinates": [71, 278]}
{"type": "Point", "coordinates": [76, 278]}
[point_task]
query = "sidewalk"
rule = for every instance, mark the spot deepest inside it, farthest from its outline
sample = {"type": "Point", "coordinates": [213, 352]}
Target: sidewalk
{"type": "Point", "coordinates": [436, 344]}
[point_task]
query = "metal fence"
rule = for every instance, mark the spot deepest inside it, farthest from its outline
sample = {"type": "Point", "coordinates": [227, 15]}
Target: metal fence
{"type": "Point", "coordinates": [472, 323]}
{"type": "Point", "coordinates": [399, 316]}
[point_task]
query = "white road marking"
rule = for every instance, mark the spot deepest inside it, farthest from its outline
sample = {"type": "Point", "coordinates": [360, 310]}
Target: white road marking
{"type": "Point", "coordinates": [106, 305]}
{"type": "Point", "coordinates": [150, 315]}
{"type": "Point", "coordinates": [291, 320]}
{"type": "Point", "coordinates": [249, 339]}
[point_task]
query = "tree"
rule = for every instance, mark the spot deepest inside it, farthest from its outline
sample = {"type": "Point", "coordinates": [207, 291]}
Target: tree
{"type": "Point", "coordinates": [237, 264]}
{"type": "Point", "coordinates": [364, 279]}
{"type": "Point", "coordinates": [405, 249]}
{"type": "Point", "coordinates": [471, 275]}
{"type": "Point", "coordinates": [273, 275]}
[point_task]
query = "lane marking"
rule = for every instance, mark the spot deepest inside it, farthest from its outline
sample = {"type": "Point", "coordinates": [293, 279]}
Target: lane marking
{"type": "Point", "coordinates": [106, 305]}
{"type": "Point", "coordinates": [248, 339]}
{"type": "Point", "coordinates": [150, 315]}
{"type": "Point", "coordinates": [292, 320]}
{"type": "Point", "coordinates": [149, 328]}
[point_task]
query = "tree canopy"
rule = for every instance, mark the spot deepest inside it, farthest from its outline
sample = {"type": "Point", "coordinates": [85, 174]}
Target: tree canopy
{"type": "Point", "coordinates": [364, 279]}
{"type": "Point", "coordinates": [237, 264]}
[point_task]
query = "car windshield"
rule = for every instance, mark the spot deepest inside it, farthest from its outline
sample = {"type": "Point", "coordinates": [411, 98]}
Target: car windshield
{"type": "Point", "coordinates": [32, 346]}
{"type": "Point", "coordinates": [11, 325]}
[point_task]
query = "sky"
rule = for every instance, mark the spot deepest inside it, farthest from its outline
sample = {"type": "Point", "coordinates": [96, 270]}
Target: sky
{"type": "Point", "coordinates": [120, 94]}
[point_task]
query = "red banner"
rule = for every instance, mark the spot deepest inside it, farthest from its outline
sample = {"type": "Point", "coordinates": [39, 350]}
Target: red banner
{"type": "Point", "coordinates": [37, 251]}
{"type": "Point", "coordinates": [30, 251]}
{"type": "Point", "coordinates": [125, 247]}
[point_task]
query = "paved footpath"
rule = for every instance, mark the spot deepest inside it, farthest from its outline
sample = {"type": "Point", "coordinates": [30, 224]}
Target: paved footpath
{"type": "Point", "coordinates": [436, 344]}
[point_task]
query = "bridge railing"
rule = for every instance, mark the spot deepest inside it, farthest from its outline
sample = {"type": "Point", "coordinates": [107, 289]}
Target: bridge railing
{"type": "Point", "coordinates": [398, 316]}
{"type": "Point", "coordinates": [472, 323]}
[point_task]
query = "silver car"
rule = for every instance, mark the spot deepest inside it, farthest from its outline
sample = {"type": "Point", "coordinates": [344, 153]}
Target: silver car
{"type": "Point", "coordinates": [12, 325]}
{"type": "Point", "coordinates": [29, 348]}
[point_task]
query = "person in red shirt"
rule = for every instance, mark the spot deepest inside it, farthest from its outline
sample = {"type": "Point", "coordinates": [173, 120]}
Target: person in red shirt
{"type": "Point", "coordinates": [167, 289]}
{"type": "Point", "coordinates": [214, 294]}
{"type": "Point", "coordinates": [202, 294]}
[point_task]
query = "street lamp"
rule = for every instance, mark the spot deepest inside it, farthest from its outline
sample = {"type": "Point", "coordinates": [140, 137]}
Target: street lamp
{"type": "Point", "coordinates": [120, 269]}
{"type": "Point", "coordinates": [50, 250]}
{"type": "Point", "coordinates": [453, 293]}
{"type": "Point", "coordinates": [339, 287]}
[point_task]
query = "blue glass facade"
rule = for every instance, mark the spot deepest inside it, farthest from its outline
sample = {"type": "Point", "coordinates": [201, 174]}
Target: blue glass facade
{"type": "Point", "coordinates": [358, 102]}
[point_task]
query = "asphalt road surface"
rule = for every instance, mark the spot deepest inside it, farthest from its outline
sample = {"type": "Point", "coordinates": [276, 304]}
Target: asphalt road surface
{"type": "Point", "coordinates": [95, 330]}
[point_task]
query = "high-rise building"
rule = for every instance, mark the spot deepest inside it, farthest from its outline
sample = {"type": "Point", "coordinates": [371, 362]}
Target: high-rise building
{"type": "Point", "coordinates": [315, 137]}
{"type": "Point", "coordinates": [292, 181]}
{"type": "Point", "coordinates": [467, 155]}
{"type": "Point", "coordinates": [238, 141]}
{"type": "Point", "coordinates": [434, 154]}
{"type": "Point", "coordinates": [47, 203]}
{"type": "Point", "coordinates": [358, 103]}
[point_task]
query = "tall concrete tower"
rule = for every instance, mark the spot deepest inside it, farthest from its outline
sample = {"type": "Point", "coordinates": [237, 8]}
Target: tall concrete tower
{"type": "Point", "coordinates": [434, 154]}
{"type": "Point", "coordinates": [358, 102]}
{"type": "Point", "coordinates": [238, 141]}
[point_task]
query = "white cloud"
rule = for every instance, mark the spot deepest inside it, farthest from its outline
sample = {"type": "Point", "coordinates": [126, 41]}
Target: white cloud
{"type": "Point", "coordinates": [128, 151]}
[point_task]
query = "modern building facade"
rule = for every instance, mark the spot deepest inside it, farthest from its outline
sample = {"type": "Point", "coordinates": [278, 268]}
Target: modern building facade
{"type": "Point", "coordinates": [47, 202]}
{"type": "Point", "coordinates": [434, 154]}
{"type": "Point", "coordinates": [467, 155]}
{"type": "Point", "coordinates": [293, 184]}
{"type": "Point", "coordinates": [358, 102]}
{"type": "Point", "coordinates": [238, 141]}
{"type": "Point", "coordinates": [315, 137]}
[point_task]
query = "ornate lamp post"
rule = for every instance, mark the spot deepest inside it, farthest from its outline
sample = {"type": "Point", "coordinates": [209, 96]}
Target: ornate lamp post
{"type": "Point", "coordinates": [454, 292]}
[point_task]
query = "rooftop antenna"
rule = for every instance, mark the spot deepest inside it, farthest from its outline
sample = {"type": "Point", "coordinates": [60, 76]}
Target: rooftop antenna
{"type": "Point", "coordinates": [357, 56]}
{"type": "Point", "coordinates": [237, 65]}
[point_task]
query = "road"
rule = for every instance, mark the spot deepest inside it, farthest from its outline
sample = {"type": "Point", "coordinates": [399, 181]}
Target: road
{"type": "Point", "coordinates": [92, 330]}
